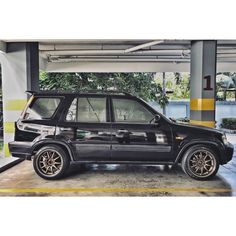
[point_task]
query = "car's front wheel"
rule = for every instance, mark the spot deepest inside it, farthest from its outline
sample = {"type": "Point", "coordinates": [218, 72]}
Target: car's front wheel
{"type": "Point", "coordinates": [200, 162]}
{"type": "Point", "coordinates": [51, 162]}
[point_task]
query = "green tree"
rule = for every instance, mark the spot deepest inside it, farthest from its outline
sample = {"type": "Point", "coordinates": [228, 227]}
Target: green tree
{"type": "Point", "coordinates": [138, 84]}
{"type": "Point", "coordinates": [226, 85]}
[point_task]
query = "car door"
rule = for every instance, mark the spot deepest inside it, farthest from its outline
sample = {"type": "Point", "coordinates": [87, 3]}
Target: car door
{"type": "Point", "coordinates": [134, 138]}
{"type": "Point", "coordinates": [86, 125]}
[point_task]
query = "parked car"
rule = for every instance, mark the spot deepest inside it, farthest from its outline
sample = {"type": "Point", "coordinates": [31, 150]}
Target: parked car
{"type": "Point", "coordinates": [56, 129]}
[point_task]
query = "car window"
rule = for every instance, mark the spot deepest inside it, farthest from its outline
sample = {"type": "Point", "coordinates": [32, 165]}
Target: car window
{"type": "Point", "coordinates": [130, 111]}
{"type": "Point", "coordinates": [42, 108]}
{"type": "Point", "coordinates": [87, 109]}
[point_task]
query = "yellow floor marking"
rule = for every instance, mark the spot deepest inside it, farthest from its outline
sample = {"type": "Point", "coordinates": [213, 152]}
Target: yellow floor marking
{"type": "Point", "coordinates": [110, 190]}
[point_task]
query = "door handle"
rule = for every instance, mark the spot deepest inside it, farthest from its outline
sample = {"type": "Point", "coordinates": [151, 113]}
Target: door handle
{"type": "Point", "coordinates": [66, 129]}
{"type": "Point", "coordinates": [123, 131]}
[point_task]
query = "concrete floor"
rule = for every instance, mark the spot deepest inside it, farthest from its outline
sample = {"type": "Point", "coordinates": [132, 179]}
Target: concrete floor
{"type": "Point", "coordinates": [111, 180]}
{"type": "Point", "coordinates": [117, 180]}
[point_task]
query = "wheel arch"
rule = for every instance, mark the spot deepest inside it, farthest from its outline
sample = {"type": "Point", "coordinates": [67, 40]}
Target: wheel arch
{"type": "Point", "coordinates": [211, 144]}
{"type": "Point", "coordinates": [61, 144]}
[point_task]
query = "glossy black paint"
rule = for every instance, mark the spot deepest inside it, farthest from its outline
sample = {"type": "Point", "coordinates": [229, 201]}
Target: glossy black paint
{"type": "Point", "coordinates": [163, 141]}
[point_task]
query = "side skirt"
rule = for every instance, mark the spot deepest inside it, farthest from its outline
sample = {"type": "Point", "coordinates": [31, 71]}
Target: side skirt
{"type": "Point", "coordinates": [124, 162]}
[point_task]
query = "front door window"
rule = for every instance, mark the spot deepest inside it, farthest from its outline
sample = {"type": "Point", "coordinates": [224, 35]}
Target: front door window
{"type": "Point", "coordinates": [130, 111]}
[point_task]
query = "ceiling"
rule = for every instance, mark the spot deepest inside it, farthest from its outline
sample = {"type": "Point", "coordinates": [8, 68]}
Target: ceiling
{"type": "Point", "coordinates": [126, 55]}
{"type": "Point", "coordinates": [129, 50]}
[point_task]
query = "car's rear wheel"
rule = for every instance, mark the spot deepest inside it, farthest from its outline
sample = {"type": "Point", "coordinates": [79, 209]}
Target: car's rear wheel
{"type": "Point", "coordinates": [51, 162]}
{"type": "Point", "coordinates": [200, 162]}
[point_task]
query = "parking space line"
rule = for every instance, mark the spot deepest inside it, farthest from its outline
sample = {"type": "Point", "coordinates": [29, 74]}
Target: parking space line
{"type": "Point", "coordinates": [116, 190]}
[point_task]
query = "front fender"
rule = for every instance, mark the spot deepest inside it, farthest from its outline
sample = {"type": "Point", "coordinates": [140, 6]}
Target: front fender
{"type": "Point", "coordinates": [217, 145]}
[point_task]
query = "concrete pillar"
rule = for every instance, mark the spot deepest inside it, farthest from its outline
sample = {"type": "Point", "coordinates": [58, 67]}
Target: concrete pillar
{"type": "Point", "coordinates": [164, 90]}
{"type": "Point", "coordinates": [19, 73]}
{"type": "Point", "coordinates": [32, 60]}
{"type": "Point", "coordinates": [203, 83]}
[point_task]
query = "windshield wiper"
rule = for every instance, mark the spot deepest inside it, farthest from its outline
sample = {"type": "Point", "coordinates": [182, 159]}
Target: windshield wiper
{"type": "Point", "coordinates": [172, 119]}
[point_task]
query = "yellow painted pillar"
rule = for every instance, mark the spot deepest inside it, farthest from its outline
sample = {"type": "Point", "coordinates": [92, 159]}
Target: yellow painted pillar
{"type": "Point", "coordinates": [203, 83]}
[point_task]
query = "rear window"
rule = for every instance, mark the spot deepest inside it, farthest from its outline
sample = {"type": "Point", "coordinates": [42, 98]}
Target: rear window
{"type": "Point", "coordinates": [42, 108]}
{"type": "Point", "coordinates": [87, 109]}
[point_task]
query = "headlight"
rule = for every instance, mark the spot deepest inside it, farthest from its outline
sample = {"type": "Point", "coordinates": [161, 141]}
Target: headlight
{"type": "Point", "coordinates": [224, 139]}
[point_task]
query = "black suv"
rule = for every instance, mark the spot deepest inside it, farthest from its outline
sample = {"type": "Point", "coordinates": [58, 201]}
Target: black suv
{"type": "Point", "coordinates": [56, 129]}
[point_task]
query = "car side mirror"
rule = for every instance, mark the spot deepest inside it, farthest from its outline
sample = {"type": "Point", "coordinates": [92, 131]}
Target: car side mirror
{"type": "Point", "coordinates": [157, 118]}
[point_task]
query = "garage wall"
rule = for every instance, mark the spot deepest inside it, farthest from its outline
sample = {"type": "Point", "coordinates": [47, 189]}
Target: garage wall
{"type": "Point", "coordinates": [14, 85]}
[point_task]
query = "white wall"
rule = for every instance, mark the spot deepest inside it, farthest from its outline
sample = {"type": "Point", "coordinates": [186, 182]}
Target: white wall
{"type": "Point", "coordinates": [14, 85]}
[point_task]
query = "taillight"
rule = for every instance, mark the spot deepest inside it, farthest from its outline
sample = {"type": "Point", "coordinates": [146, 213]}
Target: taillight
{"type": "Point", "coordinates": [35, 128]}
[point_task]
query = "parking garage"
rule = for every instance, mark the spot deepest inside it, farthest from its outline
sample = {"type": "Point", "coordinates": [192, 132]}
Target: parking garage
{"type": "Point", "coordinates": [21, 63]}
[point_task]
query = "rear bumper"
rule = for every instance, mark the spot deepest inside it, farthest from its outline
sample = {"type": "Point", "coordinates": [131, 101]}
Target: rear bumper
{"type": "Point", "coordinates": [21, 149]}
{"type": "Point", "coordinates": [228, 153]}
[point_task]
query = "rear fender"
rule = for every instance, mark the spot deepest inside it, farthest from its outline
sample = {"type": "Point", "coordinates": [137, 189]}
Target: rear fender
{"type": "Point", "coordinates": [61, 143]}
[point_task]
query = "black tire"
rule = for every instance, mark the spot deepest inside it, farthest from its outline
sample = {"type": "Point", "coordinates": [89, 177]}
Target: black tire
{"type": "Point", "coordinates": [199, 159]}
{"type": "Point", "coordinates": [51, 162]}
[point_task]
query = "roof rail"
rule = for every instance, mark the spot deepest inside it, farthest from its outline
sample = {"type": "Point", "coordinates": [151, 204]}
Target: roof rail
{"type": "Point", "coordinates": [82, 91]}
{"type": "Point", "coordinates": [104, 91]}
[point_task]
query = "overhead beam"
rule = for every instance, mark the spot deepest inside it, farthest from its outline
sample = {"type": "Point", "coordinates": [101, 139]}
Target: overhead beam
{"type": "Point", "coordinates": [113, 52]}
{"type": "Point", "coordinates": [117, 67]}
{"type": "Point", "coordinates": [127, 66]}
{"type": "Point", "coordinates": [55, 47]}
{"type": "Point", "coordinates": [114, 60]}
{"type": "Point", "coordinates": [144, 45]}
{"type": "Point", "coordinates": [3, 46]}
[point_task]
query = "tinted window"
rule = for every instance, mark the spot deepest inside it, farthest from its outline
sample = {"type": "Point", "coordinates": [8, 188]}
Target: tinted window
{"type": "Point", "coordinates": [42, 108]}
{"type": "Point", "coordinates": [130, 111]}
{"type": "Point", "coordinates": [87, 109]}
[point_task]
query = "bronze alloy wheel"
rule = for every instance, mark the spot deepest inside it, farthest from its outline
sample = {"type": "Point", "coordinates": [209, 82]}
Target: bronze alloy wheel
{"type": "Point", "coordinates": [202, 163]}
{"type": "Point", "coordinates": [50, 163]}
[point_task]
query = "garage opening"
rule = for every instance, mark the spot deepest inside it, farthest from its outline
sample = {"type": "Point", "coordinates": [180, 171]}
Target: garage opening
{"type": "Point", "coordinates": [167, 92]}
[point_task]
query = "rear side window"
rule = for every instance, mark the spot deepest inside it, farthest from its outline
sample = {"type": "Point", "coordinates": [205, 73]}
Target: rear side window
{"type": "Point", "coordinates": [87, 109]}
{"type": "Point", "coordinates": [42, 108]}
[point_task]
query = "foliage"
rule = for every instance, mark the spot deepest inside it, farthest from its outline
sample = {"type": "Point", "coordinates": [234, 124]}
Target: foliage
{"type": "Point", "coordinates": [228, 123]}
{"type": "Point", "coordinates": [177, 85]}
{"type": "Point", "coordinates": [162, 99]}
{"type": "Point", "coordinates": [138, 84]}
{"type": "Point", "coordinates": [183, 88]}
{"type": "Point", "coordinates": [226, 85]}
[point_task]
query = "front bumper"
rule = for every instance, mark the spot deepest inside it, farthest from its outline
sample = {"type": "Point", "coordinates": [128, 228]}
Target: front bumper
{"type": "Point", "coordinates": [228, 153]}
{"type": "Point", "coordinates": [21, 149]}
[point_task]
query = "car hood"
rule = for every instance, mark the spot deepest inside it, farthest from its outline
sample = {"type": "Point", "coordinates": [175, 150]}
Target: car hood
{"type": "Point", "coordinates": [192, 127]}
